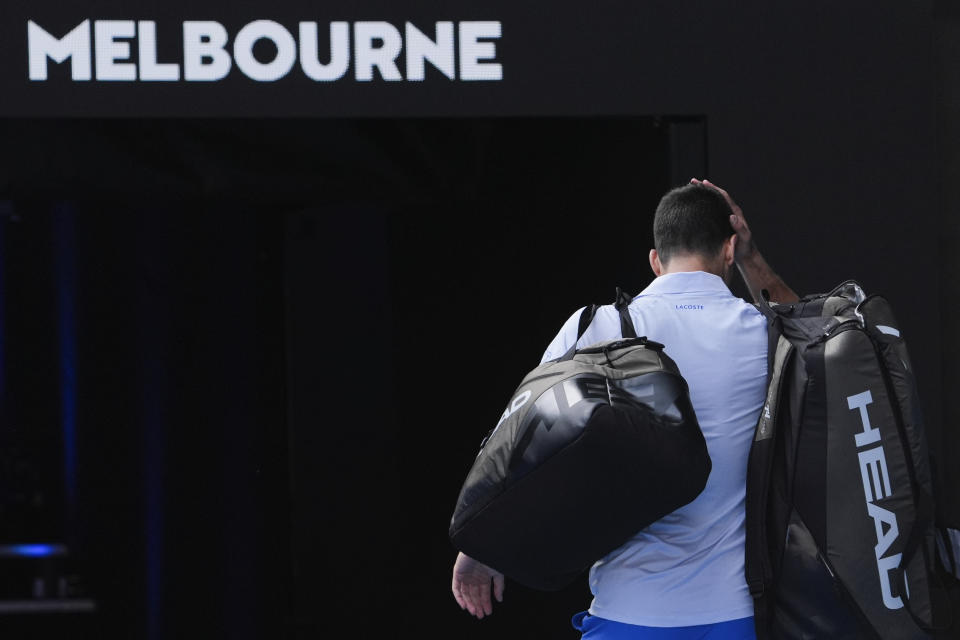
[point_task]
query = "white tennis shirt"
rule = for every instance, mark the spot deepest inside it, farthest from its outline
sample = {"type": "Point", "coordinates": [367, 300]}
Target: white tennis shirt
{"type": "Point", "coordinates": [687, 568]}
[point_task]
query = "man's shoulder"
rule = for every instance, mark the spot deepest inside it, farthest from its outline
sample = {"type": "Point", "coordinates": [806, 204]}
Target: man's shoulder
{"type": "Point", "coordinates": [750, 307]}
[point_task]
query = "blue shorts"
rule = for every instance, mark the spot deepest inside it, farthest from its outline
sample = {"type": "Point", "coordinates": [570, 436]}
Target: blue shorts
{"type": "Point", "coordinates": [595, 628]}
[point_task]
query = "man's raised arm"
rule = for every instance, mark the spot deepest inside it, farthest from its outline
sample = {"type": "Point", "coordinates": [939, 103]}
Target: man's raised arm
{"type": "Point", "coordinates": [753, 267]}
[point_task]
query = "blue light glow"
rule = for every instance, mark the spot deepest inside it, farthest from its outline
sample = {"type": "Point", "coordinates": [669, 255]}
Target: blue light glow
{"type": "Point", "coordinates": [65, 244]}
{"type": "Point", "coordinates": [32, 550]}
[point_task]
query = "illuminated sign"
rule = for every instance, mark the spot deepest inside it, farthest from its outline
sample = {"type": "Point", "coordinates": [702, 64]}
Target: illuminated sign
{"type": "Point", "coordinates": [106, 52]}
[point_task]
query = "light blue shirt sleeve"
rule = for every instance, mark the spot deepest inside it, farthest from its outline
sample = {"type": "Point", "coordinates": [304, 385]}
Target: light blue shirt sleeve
{"type": "Point", "coordinates": [564, 339]}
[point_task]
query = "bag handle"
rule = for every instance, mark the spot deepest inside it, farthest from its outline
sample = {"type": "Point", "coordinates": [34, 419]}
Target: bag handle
{"type": "Point", "coordinates": [586, 317]}
{"type": "Point", "coordinates": [763, 306]}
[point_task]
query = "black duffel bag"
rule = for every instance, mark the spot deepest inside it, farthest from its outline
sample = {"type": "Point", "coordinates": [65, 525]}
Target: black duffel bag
{"type": "Point", "coordinates": [592, 448]}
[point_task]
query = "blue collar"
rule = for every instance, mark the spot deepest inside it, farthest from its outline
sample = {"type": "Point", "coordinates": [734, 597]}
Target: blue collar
{"type": "Point", "coordinates": [686, 282]}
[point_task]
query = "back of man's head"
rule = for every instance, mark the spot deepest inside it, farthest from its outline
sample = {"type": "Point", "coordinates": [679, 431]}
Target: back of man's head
{"type": "Point", "coordinates": [691, 220]}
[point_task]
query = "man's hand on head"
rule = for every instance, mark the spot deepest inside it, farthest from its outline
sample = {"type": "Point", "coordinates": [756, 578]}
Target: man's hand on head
{"type": "Point", "coordinates": [757, 274]}
{"type": "Point", "coordinates": [472, 585]}
{"type": "Point", "coordinates": [745, 246]}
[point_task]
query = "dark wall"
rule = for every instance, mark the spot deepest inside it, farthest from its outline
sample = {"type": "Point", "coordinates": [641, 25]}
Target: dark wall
{"type": "Point", "coordinates": [263, 435]}
{"type": "Point", "coordinates": [947, 39]}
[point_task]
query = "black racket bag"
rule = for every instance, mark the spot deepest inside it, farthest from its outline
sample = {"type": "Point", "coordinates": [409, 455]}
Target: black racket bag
{"type": "Point", "coordinates": [592, 447]}
{"type": "Point", "coordinates": [841, 540]}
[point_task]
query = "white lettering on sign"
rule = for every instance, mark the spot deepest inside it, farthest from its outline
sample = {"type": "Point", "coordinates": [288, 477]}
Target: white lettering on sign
{"type": "Point", "coordinates": [376, 44]}
{"type": "Point", "coordinates": [281, 39]}
{"type": "Point", "coordinates": [475, 46]}
{"type": "Point", "coordinates": [339, 54]}
{"type": "Point", "coordinates": [420, 48]}
{"type": "Point", "coordinates": [112, 46]}
{"type": "Point", "coordinates": [75, 46]}
{"type": "Point", "coordinates": [126, 50]}
{"type": "Point", "coordinates": [204, 56]}
{"type": "Point", "coordinates": [150, 69]}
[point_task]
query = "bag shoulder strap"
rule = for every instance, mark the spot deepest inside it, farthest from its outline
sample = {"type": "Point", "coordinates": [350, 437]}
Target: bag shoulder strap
{"type": "Point", "coordinates": [586, 317]}
{"type": "Point", "coordinates": [627, 330]}
{"type": "Point", "coordinates": [758, 572]}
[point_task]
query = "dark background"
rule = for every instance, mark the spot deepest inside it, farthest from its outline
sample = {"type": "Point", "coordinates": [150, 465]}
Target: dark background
{"type": "Point", "coordinates": [260, 314]}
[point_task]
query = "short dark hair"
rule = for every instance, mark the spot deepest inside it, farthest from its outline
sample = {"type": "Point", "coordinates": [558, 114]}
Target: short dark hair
{"type": "Point", "coordinates": [692, 219]}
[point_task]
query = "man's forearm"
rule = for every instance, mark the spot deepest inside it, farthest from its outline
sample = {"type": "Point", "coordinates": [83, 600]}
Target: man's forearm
{"type": "Point", "coordinates": [759, 276]}
{"type": "Point", "coordinates": [755, 271]}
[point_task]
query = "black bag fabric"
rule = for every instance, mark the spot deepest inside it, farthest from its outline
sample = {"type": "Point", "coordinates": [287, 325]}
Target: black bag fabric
{"type": "Point", "coordinates": [841, 540]}
{"type": "Point", "coordinates": [592, 447]}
